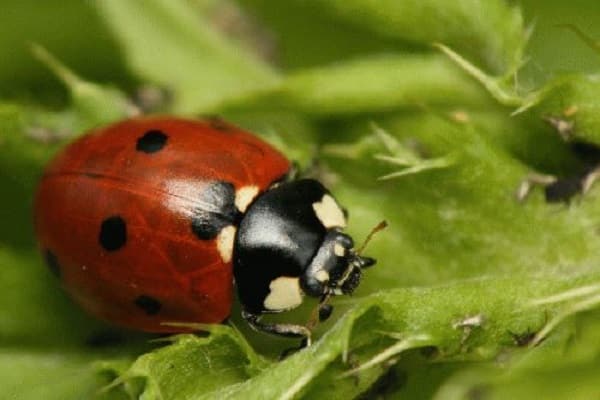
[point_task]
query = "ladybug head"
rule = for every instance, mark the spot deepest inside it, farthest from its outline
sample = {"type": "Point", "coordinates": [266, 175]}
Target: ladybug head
{"type": "Point", "coordinates": [336, 268]}
{"type": "Point", "coordinates": [290, 244]}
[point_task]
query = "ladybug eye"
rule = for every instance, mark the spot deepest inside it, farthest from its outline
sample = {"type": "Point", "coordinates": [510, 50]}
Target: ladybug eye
{"type": "Point", "coordinates": [351, 283]}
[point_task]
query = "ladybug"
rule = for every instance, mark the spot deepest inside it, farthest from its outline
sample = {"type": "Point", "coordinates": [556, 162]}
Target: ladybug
{"type": "Point", "coordinates": [153, 219]}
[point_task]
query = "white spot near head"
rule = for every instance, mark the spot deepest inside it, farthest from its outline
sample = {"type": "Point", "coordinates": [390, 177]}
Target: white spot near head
{"type": "Point", "coordinates": [225, 242]}
{"type": "Point", "coordinates": [322, 275]}
{"type": "Point", "coordinates": [244, 196]}
{"type": "Point", "coordinates": [339, 250]}
{"type": "Point", "coordinates": [285, 294]}
{"type": "Point", "coordinates": [329, 213]}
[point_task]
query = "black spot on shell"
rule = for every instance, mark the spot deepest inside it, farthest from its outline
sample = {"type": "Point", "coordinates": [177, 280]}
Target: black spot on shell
{"type": "Point", "coordinates": [52, 263]}
{"type": "Point", "coordinates": [148, 304]}
{"type": "Point", "coordinates": [113, 233]}
{"type": "Point", "coordinates": [206, 225]}
{"type": "Point", "coordinates": [216, 210]}
{"type": "Point", "coordinates": [152, 141]}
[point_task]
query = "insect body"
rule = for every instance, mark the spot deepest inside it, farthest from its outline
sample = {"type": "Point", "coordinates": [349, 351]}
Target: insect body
{"type": "Point", "coordinates": [150, 220]}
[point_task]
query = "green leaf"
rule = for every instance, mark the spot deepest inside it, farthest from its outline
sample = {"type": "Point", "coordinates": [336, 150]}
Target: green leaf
{"type": "Point", "coordinates": [327, 41]}
{"type": "Point", "coordinates": [29, 135]}
{"type": "Point", "coordinates": [40, 313]}
{"type": "Point", "coordinates": [93, 104]}
{"type": "Point", "coordinates": [490, 33]}
{"type": "Point", "coordinates": [290, 133]}
{"type": "Point", "coordinates": [447, 211]}
{"type": "Point", "coordinates": [475, 294]}
{"type": "Point", "coordinates": [456, 319]}
{"type": "Point", "coordinates": [167, 43]}
{"type": "Point", "coordinates": [549, 371]}
{"type": "Point", "coordinates": [573, 100]}
{"type": "Point", "coordinates": [377, 83]}
{"type": "Point", "coordinates": [194, 367]}
{"type": "Point", "coordinates": [30, 375]}
{"type": "Point", "coordinates": [72, 30]}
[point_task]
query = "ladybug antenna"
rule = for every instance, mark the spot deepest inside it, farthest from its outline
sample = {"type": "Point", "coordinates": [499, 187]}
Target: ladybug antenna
{"type": "Point", "coordinates": [378, 228]}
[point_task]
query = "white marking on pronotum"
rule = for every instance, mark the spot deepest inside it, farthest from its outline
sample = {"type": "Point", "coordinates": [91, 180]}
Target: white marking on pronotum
{"type": "Point", "coordinates": [285, 294]}
{"type": "Point", "coordinates": [329, 213]}
{"type": "Point", "coordinates": [225, 242]}
{"type": "Point", "coordinates": [244, 196]}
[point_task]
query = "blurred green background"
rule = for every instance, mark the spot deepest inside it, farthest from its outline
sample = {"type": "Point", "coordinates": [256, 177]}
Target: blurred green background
{"type": "Point", "coordinates": [476, 295]}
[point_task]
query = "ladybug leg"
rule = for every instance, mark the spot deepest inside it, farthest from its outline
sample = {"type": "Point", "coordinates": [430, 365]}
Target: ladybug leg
{"type": "Point", "coordinates": [589, 179]}
{"type": "Point", "coordinates": [321, 313]}
{"type": "Point", "coordinates": [286, 330]}
{"type": "Point", "coordinates": [532, 180]}
{"type": "Point", "coordinates": [325, 311]}
{"type": "Point", "coordinates": [559, 189]}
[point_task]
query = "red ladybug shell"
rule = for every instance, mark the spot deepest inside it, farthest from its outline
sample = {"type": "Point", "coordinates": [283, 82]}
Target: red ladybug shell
{"type": "Point", "coordinates": [115, 215]}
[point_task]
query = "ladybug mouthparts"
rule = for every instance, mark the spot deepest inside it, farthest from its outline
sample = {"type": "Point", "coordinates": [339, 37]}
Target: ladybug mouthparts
{"type": "Point", "coordinates": [351, 280]}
